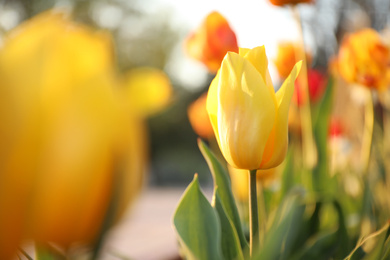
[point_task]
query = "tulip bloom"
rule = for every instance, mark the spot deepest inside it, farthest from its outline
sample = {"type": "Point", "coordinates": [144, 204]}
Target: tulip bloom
{"type": "Point", "coordinates": [199, 119]}
{"type": "Point", "coordinates": [212, 40]}
{"type": "Point", "coordinates": [286, 2]}
{"type": "Point", "coordinates": [148, 90]}
{"type": "Point", "coordinates": [66, 141]}
{"type": "Point", "coordinates": [364, 59]}
{"type": "Point", "coordinates": [316, 83]}
{"type": "Point", "coordinates": [249, 119]}
{"type": "Point", "coordinates": [286, 58]}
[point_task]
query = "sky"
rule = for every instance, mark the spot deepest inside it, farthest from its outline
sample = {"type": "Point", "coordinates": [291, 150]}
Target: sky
{"type": "Point", "coordinates": [255, 22]}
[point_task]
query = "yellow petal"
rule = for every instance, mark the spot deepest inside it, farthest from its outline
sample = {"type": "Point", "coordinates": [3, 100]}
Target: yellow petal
{"type": "Point", "coordinates": [276, 147]}
{"type": "Point", "coordinates": [258, 58]}
{"type": "Point", "coordinates": [246, 112]}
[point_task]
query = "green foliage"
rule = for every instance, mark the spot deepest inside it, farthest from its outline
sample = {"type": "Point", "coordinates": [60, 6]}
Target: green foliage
{"type": "Point", "coordinates": [280, 236]}
{"type": "Point", "coordinates": [321, 178]}
{"type": "Point", "coordinates": [222, 181]}
{"type": "Point", "coordinates": [301, 224]}
{"type": "Point", "coordinates": [197, 225]}
{"type": "Point", "coordinates": [231, 247]}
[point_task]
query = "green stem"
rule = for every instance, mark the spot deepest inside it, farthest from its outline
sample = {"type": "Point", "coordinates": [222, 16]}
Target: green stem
{"type": "Point", "coordinates": [253, 213]}
{"type": "Point", "coordinates": [262, 213]}
{"type": "Point", "coordinates": [368, 131]}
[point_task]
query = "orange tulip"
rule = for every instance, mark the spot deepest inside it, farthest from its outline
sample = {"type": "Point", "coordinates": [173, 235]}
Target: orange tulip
{"type": "Point", "coordinates": [286, 58]}
{"type": "Point", "coordinates": [286, 2]}
{"type": "Point", "coordinates": [199, 118]}
{"type": "Point", "coordinates": [364, 59]}
{"type": "Point", "coordinates": [212, 40]}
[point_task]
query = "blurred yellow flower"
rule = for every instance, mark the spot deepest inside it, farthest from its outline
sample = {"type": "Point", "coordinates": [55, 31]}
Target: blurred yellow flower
{"type": "Point", "coordinates": [199, 118]}
{"type": "Point", "coordinates": [68, 147]}
{"type": "Point", "coordinates": [364, 59]}
{"type": "Point", "coordinates": [211, 41]}
{"type": "Point", "coordinates": [147, 90]}
{"type": "Point", "coordinates": [249, 119]}
{"type": "Point", "coordinates": [286, 58]}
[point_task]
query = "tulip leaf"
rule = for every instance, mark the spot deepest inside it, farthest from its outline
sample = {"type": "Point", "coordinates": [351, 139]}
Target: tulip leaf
{"type": "Point", "coordinates": [44, 251]}
{"type": "Point", "coordinates": [222, 181]}
{"type": "Point", "coordinates": [327, 245]}
{"type": "Point", "coordinates": [386, 247]}
{"type": "Point", "coordinates": [381, 249]}
{"type": "Point", "coordinates": [283, 230]}
{"type": "Point", "coordinates": [231, 248]}
{"type": "Point", "coordinates": [318, 248]}
{"type": "Point", "coordinates": [288, 173]}
{"type": "Point", "coordinates": [320, 172]}
{"type": "Point", "coordinates": [197, 226]}
{"type": "Point", "coordinates": [303, 230]}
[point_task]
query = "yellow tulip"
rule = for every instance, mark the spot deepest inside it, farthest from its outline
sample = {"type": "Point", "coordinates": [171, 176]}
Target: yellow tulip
{"type": "Point", "coordinates": [249, 119]}
{"type": "Point", "coordinates": [68, 145]}
{"type": "Point", "coordinates": [147, 90]}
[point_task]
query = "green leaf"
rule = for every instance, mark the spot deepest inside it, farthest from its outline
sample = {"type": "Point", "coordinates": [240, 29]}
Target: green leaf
{"type": "Point", "coordinates": [288, 173]}
{"type": "Point", "coordinates": [304, 229]}
{"type": "Point", "coordinates": [381, 248]}
{"type": "Point", "coordinates": [231, 248]}
{"type": "Point", "coordinates": [283, 231]}
{"type": "Point", "coordinates": [222, 181]}
{"type": "Point", "coordinates": [329, 245]}
{"type": "Point", "coordinates": [320, 172]}
{"type": "Point", "coordinates": [44, 251]}
{"type": "Point", "coordinates": [197, 226]}
{"type": "Point", "coordinates": [386, 247]}
{"type": "Point", "coordinates": [320, 247]}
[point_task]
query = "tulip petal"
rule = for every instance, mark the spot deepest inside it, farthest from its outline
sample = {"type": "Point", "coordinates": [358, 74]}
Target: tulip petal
{"type": "Point", "coordinates": [246, 112]}
{"type": "Point", "coordinates": [276, 147]}
{"type": "Point", "coordinates": [258, 58]}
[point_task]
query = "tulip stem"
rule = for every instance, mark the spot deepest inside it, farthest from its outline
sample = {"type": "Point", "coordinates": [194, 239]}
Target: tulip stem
{"type": "Point", "coordinates": [262, 213]}
{"type": "Point", "coordinates": [386, 144]}
{"type": "Point", "coordinates": [308, 145]}
{"type": "Point", "coordinates": [368, 130]}
{"type": "Point", "coordinates": [253, 213]}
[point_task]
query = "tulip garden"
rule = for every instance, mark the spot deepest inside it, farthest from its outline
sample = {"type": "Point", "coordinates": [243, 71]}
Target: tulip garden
{"type": "Point", "coordinates": [295, 144]}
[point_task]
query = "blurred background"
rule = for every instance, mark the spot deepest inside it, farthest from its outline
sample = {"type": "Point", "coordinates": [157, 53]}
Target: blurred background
{"type": "Point", "coordinates": [151, 33]}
